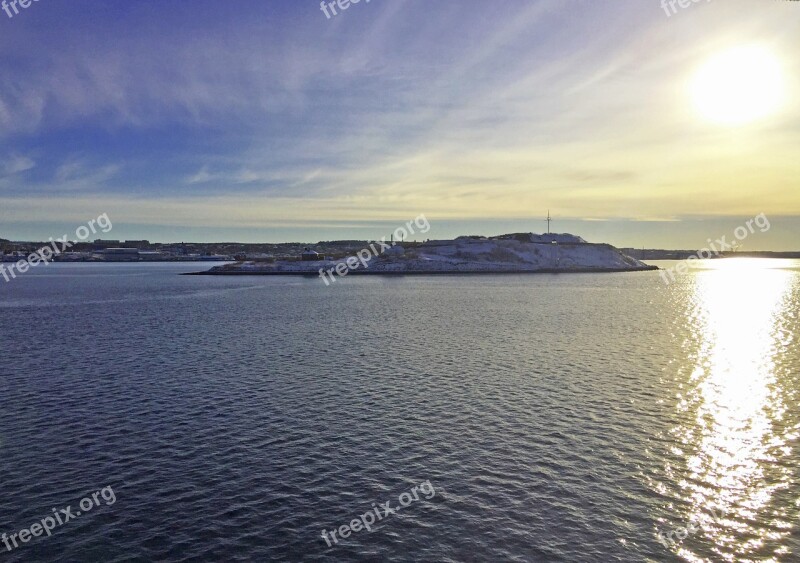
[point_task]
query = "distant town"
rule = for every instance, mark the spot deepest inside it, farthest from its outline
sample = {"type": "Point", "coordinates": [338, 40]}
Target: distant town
{"type": "Point", "coordinates": [657, 254]}
{"type": "Point", "coordinates": [102, 250]}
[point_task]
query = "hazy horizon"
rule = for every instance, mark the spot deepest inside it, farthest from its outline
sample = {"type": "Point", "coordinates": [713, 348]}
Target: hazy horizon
{"type": "Point", "coordinates": [690, 233]}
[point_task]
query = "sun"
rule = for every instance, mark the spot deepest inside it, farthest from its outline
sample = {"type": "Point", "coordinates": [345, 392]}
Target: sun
{"type": "Point", "coordinates": [739, 86]}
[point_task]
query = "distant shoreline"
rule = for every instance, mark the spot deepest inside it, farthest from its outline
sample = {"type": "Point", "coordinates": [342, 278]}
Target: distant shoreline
{"type": "Point", "coordinates": [424, 272]}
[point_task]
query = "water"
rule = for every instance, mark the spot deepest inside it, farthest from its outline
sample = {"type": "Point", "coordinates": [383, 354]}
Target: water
{"type": "Point", "coordinates": [556, 418]}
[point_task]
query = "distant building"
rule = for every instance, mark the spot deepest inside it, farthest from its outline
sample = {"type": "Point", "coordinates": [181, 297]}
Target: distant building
{"type": "Point", "coordinates": [310, 256]}
{"type": "Point", "coordinates": [176, 250]}
{"type": "Point", "coordinates": [151, 256]}
{"type": "Point", "coordinates": [563, 238]}
{"type": "Point", "coordinates": [100, 243]}
{"type": "Point", "coordinates": [140, 244]}
{"type": "Point", "coordinates": [119, 255]}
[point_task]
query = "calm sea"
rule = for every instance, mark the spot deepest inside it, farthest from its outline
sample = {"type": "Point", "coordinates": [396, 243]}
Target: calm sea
{"type": "Point", "coordinates": [555, 418]}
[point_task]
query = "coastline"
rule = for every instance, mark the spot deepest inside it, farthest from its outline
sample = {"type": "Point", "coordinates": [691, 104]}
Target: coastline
{"type": "Point", "coordinates": [425, 272]}
{"type": "Point", "coordinates": [519, 253]}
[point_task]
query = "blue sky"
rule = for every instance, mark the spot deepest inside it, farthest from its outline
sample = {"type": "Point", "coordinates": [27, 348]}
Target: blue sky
{"type": "Point", "coordinates": [266, 121]}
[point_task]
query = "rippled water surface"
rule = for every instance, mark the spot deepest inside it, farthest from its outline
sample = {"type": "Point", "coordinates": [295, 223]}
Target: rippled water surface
{"type": "Point", "coordinates": [557, 418]}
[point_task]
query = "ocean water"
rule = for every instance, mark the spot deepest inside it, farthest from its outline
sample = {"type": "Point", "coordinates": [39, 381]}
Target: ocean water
{"type": "Point", "coordinates": [540, 417]}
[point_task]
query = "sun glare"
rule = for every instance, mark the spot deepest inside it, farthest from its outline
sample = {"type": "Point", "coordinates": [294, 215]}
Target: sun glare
{"type": "Point", "coordinates": [739, 86]}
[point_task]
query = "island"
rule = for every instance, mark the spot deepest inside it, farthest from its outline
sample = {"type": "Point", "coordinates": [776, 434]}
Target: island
{"type": "Point", "coordinates": [503, 254]}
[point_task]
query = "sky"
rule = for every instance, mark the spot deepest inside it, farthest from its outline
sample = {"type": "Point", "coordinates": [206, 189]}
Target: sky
{"type": "Point", "coordinates": [268, 121]}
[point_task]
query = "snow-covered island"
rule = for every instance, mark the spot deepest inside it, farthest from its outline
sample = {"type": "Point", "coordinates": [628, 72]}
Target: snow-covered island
{"type": "Point", "coordinates": [514, 253]}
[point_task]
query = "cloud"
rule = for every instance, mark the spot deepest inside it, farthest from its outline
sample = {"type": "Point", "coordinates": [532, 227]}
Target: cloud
{"type": "Point", "coordinates": [201, 177]}
{"type": "Point", "coordinates": [390, 110]}
{"type": "Point", "coordinates": [17, 163]}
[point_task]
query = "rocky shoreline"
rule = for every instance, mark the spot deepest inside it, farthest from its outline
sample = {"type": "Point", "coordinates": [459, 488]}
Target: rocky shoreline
{"type": "Point", "coordinates": [523, 253]}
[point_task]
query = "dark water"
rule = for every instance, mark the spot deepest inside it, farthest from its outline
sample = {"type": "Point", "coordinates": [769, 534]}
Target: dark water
{"type": "Point", "coordinates": [556, 418]}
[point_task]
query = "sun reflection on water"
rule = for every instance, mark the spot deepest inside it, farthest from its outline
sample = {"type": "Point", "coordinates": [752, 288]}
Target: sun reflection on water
{"type": "Point", "coordinates": [738, 405]}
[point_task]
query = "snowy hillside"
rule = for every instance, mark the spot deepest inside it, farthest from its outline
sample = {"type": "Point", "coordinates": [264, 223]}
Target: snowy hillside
{"type": "Point", "coordinates": [465, 254]}
{"type": "Point", "coordinates": [524, 252]}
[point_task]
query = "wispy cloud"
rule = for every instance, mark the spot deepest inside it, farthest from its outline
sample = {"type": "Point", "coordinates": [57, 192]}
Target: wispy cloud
{"type": "Point", "coordinates": [16, 163]}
